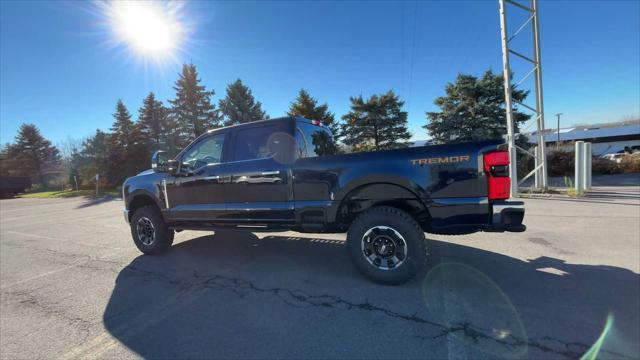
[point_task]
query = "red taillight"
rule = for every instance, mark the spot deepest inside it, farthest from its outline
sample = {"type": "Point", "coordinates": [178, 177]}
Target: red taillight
{"type": "Point", "coordinates": [496, 166]}
{"type": "Point", "coordinates": [316, 122]}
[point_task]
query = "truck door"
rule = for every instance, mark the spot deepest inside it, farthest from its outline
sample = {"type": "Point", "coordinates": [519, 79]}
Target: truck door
{"type": "Point", "coordinates": [258, 189]}
{"type": "Point", "coordinates": [197, 193]}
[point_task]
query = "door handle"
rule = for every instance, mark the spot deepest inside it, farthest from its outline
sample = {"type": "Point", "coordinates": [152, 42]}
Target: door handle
{"type": "Point", "coordinates": [258, 178]}
{"type": "Point", "coordinates": [241, 179]}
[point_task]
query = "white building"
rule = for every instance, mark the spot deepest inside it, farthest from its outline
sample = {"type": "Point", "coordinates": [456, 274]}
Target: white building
{"type": "Point", "coordinates": [606, 138]}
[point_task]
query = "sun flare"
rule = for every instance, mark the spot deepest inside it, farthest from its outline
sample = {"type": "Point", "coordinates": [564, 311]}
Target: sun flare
{"type": "Point", "coordinates": [149, 29]}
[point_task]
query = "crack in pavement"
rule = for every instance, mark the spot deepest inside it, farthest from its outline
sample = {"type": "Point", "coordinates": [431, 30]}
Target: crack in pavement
{"type": "Point", "coordinates": [301, 299]}
{"type": "Point", "coordinates": [50, 308]}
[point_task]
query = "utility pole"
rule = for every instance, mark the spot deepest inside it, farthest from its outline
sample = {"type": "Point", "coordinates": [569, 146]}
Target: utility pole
{"type": "Point", "coordinates": [506, 71]}
{"type": "Point", "coordinates": [558, 141]}
{"type": "Point", "coordinates": [540, 169]}
{"type": "Point", "coordinates": [542, 146]}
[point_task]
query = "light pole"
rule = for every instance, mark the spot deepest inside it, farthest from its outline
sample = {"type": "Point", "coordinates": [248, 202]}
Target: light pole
{"type": "Point", "coordinates": [558, 141]}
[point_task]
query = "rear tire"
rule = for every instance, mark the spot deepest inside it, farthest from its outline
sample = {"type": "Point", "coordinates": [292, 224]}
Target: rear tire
{"type": "Point", "coordinates": [387, 245]}
{"type": "Point", "coordinates": [149, 231]}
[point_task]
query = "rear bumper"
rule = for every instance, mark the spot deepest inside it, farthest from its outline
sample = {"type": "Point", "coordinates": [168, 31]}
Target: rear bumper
{"type": "Point", "coordinates": [507, 216]}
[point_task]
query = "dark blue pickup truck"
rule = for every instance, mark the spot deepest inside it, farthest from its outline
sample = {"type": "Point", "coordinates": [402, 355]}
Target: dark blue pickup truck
{"type": "Point", "coordinates": [285, 174]}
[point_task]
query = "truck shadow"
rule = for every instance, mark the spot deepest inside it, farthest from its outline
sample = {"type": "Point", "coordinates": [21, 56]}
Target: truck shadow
{"type": "Point", "coordinates": [235, 295]}
{"type": "Point", "coordinates": [92, 201]}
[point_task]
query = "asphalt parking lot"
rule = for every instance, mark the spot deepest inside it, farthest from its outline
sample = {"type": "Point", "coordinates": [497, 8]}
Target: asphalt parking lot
{"type": "Point", "coordinates": [72, 285]}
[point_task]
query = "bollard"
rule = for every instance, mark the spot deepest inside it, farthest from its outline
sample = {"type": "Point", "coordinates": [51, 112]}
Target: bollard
{"type": "Point", "coordinates": [579, 163]}
{"type": "Point", "coordinates": [536, 162]}
{"type": "Point", "coordinates": [587, 158]}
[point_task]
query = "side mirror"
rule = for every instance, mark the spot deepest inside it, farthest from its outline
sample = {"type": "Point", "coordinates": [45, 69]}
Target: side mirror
{"type": "Point", "coordinates": [159, 161]}
{"type": "Point", "coordinates": [172, 166]}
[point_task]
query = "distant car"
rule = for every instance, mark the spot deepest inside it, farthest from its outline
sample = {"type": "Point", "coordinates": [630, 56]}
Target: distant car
{"type": "Point", "coordinates": [617, 158]}
{"type": "Point", "coordinates": [10, 186]}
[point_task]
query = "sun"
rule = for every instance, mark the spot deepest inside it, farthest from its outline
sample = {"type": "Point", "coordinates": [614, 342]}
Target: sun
{"type": "Point", "coordinates": [150, 29]}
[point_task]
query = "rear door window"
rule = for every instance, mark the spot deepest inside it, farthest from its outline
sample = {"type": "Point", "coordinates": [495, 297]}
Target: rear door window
{"type": "Point", "coordinates": [261, 142]}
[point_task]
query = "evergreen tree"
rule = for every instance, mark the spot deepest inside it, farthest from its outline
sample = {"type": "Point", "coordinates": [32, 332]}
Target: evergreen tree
{"type": "Point", "coordinates": [152, 120]}
{"type": "Point", "coordinates": [126, 150]}
{"type": "Point", "coordinates": [239, 106]}
{"type": "Point", "coordinates": [73, 168]}
{"type": "Point", "coordinates": [91, 159]}
{"type": "Point", "coordinates": [307, 107]}
{"type": "Point", "coordinates": [68, 148]}
{"type": "Point", "coordinates": [376, 124]}
{"type": "Point", "coordinates": [30, 155]}
{"type": "Point", "coordinates": [192, 110]}
{"type": "Point", "coordinates": [175, 141]}
{"type": "Point", "coordinates": [473, 109]}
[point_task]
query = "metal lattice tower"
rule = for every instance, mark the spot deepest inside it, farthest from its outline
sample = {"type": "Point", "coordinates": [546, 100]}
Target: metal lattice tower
{"type": "Point", "coordinates": [540, 169]}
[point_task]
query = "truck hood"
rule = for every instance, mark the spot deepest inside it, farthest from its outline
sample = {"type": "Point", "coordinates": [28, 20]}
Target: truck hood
{"type": "Point", "coordinates": [146, 172]}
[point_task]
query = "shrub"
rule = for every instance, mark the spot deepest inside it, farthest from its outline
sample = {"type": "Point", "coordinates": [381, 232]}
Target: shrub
{"type": "Point", "coordinates": [604, 167]}
{"type": "Point", "coordinates": [561, 163]}
{"type": "Point", "coordinates": [525, 164]}
{"type": "Point", "coordinates": [630, 164]}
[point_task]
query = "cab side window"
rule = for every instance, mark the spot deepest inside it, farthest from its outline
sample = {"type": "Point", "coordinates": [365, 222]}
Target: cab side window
{"type": "Point", "coordinates": [315, 140]}
{"type": "Point", "coordinates": [301, 144]}
{"type": "Point", "coordinates": [206, 152]}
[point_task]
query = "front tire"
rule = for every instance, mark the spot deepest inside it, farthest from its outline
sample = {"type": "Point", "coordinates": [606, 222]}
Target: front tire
{"type": "Point", "coordinates": [387, 245]}
{"type": "Point", "coordinates": [149, 231]}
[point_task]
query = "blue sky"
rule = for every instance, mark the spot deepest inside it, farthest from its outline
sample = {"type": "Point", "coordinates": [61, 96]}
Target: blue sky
{"type": "Point", "coordinates": [60, 70]}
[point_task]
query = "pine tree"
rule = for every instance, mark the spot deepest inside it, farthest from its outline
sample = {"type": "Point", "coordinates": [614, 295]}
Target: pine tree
{"type": "Point", "coordinates": [473, 109]}
{"type": "Point", "coordinates": [192, 110]}
{"type": "Point", "coordinates": [376, 124]}
{"type": "Point", "coordinates": [126, 150]}
{"type": "Point", "coordinates": [307, 107]}
{"type": "Point", "coordinates": [175, 141]}
{"type": "Point", "coordinates": [30, 155]}
{"type": "Point", "coordinates": [92, 158]}
{"type": "Point", "coordinates": [152, 120]}
{"type": "Point", "coordinates": [239, 106]}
